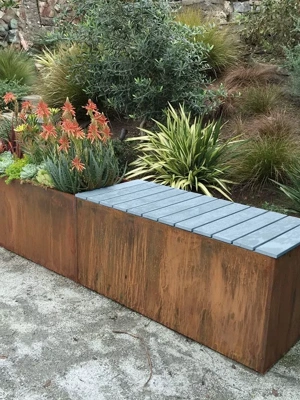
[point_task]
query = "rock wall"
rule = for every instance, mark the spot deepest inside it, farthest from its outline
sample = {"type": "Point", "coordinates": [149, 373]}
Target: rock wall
{"type": "Point", "coordinates": [18, 24]}
{"type": "Point", "coordinates": [222, 10]}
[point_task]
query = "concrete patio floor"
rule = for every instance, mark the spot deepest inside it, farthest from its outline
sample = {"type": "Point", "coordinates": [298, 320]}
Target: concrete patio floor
{"type": "Point", "coordinates": [60, 341]}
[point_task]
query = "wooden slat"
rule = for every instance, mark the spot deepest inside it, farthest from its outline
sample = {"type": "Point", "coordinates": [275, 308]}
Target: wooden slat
{"type": "Point", "coordinates": [209, 217]}
{"type": "Point", "coordinates": [207, 205]}
{"type": "Point", "coordinates": [141, 194]}
{"type": "Point", "coordinates": [281, 244]}
{"type": "Point", "coordinates": [150, 199]}
{"type": "Point", "coordinates": [267, 233]}
{"type": "Point", "coordinates": [168, 210]}
{"type": "Point", "coordinates": [229, 221]}
{"type": "Point", "coordinates": [178, 197]}
{"type": "Point", "coordinates": [119, 191]}
{"type": "Point", "coordinates": [96, 192]}
{"type": "Point", "coordinates": [235, 232]}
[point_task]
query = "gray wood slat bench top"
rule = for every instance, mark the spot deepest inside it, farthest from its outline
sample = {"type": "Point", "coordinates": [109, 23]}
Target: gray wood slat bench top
{"type": "Point", "coordinates": [265, 232]}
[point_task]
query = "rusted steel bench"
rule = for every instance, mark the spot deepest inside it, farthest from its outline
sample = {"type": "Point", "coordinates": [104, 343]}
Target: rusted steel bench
{"type": "Point", "coordinates": [224, 274]}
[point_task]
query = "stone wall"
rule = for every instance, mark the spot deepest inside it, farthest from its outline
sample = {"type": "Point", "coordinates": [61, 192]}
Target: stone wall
{"type": "Point", "coordinates": [19, 24]}
{"type": "Point", "coordinates": [222, 10]}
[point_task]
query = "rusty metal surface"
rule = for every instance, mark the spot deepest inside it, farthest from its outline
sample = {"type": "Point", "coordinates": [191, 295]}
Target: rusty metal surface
{"type": "Point", "coordinates": [40, 225]}
{"type": "Point", "coordinates": [215, 293]}
{"type": "Point", "coordinates": [284, 323]}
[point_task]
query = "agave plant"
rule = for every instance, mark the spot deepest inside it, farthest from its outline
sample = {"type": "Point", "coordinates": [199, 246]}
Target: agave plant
{"type": "Point", "coordinates": [184, 154]}
{"type": "Point", "coordinates": [97, 167]}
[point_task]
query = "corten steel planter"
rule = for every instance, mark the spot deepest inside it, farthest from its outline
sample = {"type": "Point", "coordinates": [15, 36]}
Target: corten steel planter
{"type": "Point", "coordinates": [40, 225]}
{"type": "Point", "coordinates": [241, 303]}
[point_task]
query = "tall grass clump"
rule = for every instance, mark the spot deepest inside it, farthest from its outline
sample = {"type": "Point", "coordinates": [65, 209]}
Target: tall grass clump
{"type": "Point", "coordinates": [265, 157]}
{"type": "Point", "coordinates": [255, 75]}
{"type": "Point", "coordinates": [276, 123]}
{"type": "Point", "coordinates": [224, 46]}
{"type": "Point", "coordinates": [56, 81]}
{"type": "Point", "coordinates": [259, 99]}
{"type": "Point", "coordinates": [184, 153]}
{"type": "Point", "coordinates": [16, 66]}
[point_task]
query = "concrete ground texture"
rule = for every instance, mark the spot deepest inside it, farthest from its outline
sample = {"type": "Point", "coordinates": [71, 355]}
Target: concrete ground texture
{"type": "Point", "coordinates": [60, 341]}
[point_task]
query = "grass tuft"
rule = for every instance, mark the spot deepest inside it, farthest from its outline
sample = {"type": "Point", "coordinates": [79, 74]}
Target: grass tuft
{"type": "Point", "coordinates": [225, 46]}
{"type": "Point", "coordinates": [258, 74]}
{"type": "Point", "coordinates": [16, 66]}
{"type": "Point", "coordinates": [56, 81]}
{"type": "Point", "coordinates": [264, 157]}
{"type": "Point", "coordinates": [259, 99]}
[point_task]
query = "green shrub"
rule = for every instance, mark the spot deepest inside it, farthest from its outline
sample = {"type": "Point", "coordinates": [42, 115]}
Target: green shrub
{"type": "Point", "coordinates": [224, 44]}
{"type": "Point", "coordinates": [273, 25]}
{"type": "Point", "coordinates": [16, 66]}
{"type": "Point", "coordinates": [184, 153]}
{"type": "Point", "coordinates": [56, 81]}
{"type": "Point", "coordinates": [265, 157]}
{"type": "Point", "coordinates": [140, 58]}
{"type": "Point", "coordinates": [44, 39]}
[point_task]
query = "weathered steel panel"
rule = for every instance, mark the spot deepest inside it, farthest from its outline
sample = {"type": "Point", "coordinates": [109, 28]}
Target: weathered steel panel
{"type": "Point", "coordinates": [213, 292]}
{"type": "Point", "coordinates": [40, 225]}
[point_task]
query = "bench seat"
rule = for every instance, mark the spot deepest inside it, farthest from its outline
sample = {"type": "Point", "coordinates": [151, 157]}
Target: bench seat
{"type": "Point", "coordinates": [222, 273]}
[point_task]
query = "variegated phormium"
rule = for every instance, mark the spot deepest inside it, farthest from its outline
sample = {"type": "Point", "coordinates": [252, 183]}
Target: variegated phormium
{"type": "Point", "coordinates": [184, 153]}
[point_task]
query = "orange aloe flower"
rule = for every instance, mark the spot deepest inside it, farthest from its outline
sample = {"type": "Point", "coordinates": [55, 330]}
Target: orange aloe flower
{"type": "Point", "coordinates": [68, 109]}
{"type": "Point", "coordinates": [106, 133]}
{"type": "Point", "coordinates": [9, 97]}
{"type": "Point", "coordinates": [93, 133]}
{"type": "Point", "coordinates": [42, 110]}
{"type": "Point", "coordinates": [48, 131]}
{"type": "Point", "coordinates": [26, 106]}
{"type": "Point", "coordinates": [100, 117]}
{"type": "Point", "coordinates": [64, 143]}
{"type": "Point", "coordinates": [72, 128]}
{"type": "Point", "coordinates": [77, 164]}
{"type": "Point", "coordinates": [91, 106]}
